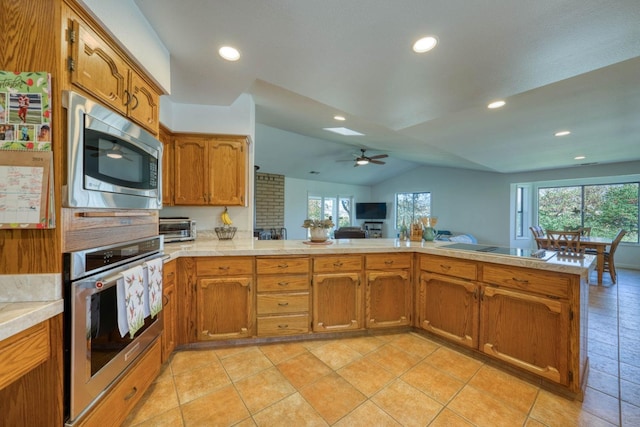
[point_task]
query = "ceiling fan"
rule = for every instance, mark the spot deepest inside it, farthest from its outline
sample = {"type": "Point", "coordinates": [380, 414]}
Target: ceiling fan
{"type": "Point", "coordinates": [362, 159]}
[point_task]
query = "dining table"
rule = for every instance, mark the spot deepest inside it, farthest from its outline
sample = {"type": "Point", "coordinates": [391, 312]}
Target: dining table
{"type": "Point", "coordinates": [599, 244]}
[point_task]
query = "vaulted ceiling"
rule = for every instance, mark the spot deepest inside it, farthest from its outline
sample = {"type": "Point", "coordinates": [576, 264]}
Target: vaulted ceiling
{"type": "Point", "coordinates": [559, 65]}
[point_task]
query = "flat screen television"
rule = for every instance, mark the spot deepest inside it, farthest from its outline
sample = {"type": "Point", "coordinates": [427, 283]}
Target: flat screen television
{"type": "Point", "coordinates": [371, 210]}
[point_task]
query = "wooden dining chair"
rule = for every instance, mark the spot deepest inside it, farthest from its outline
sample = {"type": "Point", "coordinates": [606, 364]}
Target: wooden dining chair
{"type": "Point", "coordinates": [566, 243]}
{"type": "Point", "coordinates": [538, 236]}
{"type": "Point", "coordinates": [609, 264]}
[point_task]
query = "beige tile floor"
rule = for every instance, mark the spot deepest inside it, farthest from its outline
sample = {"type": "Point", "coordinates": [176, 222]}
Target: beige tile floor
{"type": "Point", "coordinates": [402, 379]}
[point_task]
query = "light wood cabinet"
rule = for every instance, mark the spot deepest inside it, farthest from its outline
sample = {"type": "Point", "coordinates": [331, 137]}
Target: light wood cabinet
{"type": "Point", "coordinates": [283, 295]}
{"type": "Point", "coordinates": [389, 290]}
{"type": "Point", "coordinates": [167, 166]}
{"type": "Point", "coordinates": [169, 306]}
{"type": "Point", "coordinates": [448, 307]}
{"type": "Point", "coordinates": [224, 298]}
{"type": "Point", "coordinates": [114, 407]}
{"type": "Point", "coordinates": [210, 170]}
{"type": "Point", "coordinates": [97, 66]}
{"type": "Point", "coordinates": [529, 329]}
{"type": "Point", "coordinates": [337, 293]}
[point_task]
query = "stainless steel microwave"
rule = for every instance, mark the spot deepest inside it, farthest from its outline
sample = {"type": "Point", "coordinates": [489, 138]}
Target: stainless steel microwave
{"type": "Point", "coordinates": [111, 162]}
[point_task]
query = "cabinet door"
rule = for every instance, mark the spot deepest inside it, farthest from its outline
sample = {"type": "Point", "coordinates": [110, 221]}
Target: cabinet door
{"type": "Point", "coordinates": [142, 103]}
{"type": "Point", "coordinates": [527, 331]}
{"type": "Point", "coordinates": [337, 302]}
{"type": "Point", "coordinates": [97, 68]}
{"type": "Point", "coordinates": [190, 172]}
{"type": "Point", "coordinates": [388, 299]}
{"type": "Point", "coordinates": [227, 172]}
{"type": "Point", "coordinates": [224, 308]}
{"type": "Point", "coordinates": [169, 332]}
{"type": "Point", "coordinates": [449, 307]}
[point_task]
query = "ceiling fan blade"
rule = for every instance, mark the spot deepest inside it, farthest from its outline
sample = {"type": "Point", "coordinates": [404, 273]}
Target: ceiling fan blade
{"type": "Point", "coordinates": [377, 162]}
{"type": "Point", "coordinates": [379, 156]}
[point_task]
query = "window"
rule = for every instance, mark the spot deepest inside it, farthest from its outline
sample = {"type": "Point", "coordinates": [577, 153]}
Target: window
{"type": "Point", "coordinates": [339, 208]}
{"type": "Point", "coordinates": [519, 212]}
{"type": "Point", "coordinates": [412, 206]}
{"type": "Point", "coordinates": [605, 208]}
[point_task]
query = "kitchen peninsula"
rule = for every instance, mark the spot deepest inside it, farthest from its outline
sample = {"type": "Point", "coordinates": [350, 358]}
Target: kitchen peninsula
{"type": "Point", "coordinates": [527, 314]}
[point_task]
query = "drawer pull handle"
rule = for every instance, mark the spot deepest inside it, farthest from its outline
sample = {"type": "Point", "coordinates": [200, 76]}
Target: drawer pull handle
{"type": "Point", "coordinates": [131, 393]}
{"type": "Point", "coordinates": [223, 267]}
{"type": "Point", "coordinates": [283, 326]}
{"type": "Point", "coordinates": [337, 264]}
{"type": "Point", "coordinates": [445, 267]}
{"type": "Point", "coordinates": [165, 300]}
{"type": "Point", "coordinates": [283, 304]}
{"type": "Point", "coordinates": [389, 262]}
{"type": "Point", "coordinates": [283, 265]}
{"type": "Point", "coordinates": [524, 281]}
{"type": "Point", "coordinates": [283, 283]}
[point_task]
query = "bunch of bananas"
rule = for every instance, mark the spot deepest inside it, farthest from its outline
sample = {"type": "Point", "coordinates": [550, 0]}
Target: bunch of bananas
{"type": "Point", "coordinates": [226, 219]}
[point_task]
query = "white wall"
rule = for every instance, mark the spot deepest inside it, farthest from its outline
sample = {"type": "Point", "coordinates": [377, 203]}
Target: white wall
{"type": "Point", "coordinates": [132, 29]}
{"type": "Point", "coordinates": [295, 200]}
{"type": "Point", "coordinates": [237, 119]}
{"type": "Point", "coordinates": [464, 201]}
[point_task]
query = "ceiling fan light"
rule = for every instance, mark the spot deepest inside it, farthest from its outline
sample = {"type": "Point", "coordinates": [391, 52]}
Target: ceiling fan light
{"type": "Point", "coordinates": [362, 162]}
{"type": "Point", "coordinates": [114, 155]}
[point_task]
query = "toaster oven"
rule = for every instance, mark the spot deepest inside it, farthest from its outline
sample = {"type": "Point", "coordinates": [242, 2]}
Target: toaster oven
{"type": "Point", "coordinates": [177, 229]}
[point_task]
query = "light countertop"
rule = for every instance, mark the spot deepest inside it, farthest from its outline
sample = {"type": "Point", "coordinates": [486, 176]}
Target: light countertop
{"type": "Point", "coordinates": [16, 317]}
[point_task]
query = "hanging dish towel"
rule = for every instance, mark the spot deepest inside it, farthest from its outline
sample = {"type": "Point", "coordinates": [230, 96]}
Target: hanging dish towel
{"type": "Point", "coordinates": [154, 285]}
{"type": "Point", "coordinates": [130, 294]}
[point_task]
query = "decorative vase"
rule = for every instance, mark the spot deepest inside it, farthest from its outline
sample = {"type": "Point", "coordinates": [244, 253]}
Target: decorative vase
{"type": "Point", "coordinates": [319, 234]}
{"type": "Point", "coordinates": [429, 234]}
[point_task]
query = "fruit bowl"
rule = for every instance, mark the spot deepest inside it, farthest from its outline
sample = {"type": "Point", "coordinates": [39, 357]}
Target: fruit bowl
{"type": "Point", "coordinates": [226, 233]}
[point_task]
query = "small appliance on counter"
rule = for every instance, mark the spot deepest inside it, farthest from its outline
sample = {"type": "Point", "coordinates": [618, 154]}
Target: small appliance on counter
{"type": "Point", "coordinates": [177, 229]}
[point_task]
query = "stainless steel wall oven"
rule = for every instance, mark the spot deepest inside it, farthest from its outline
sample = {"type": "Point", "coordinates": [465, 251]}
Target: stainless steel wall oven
{"type": "Point", "coordinates": [95, 352]}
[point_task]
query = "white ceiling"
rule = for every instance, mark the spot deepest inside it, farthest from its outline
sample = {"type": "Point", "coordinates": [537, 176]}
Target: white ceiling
{"type": "Point", "coordinates": [559, 64]}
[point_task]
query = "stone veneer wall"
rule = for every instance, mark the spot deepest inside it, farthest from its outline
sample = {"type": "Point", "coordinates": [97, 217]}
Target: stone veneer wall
{"type": "Point", "coordinates": [269, 200]}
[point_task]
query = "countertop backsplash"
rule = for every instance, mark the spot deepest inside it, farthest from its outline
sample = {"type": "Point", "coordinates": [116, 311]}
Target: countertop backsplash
{"type": "Point", "coordinates": [30, 287]}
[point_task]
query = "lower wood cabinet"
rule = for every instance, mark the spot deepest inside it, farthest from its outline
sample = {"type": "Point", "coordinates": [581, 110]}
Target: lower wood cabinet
{"type": "Point", "coordinates": [448, 307]}
{"type": "Point", "coordinates": [337, 293]}
{"type": "Point", "coordinates": [528, 331]}
{"type": "Point", "coordinates": [224, 298]}
{"type": "Point", "coordinates": [169, 309]}
{"type": "Point", "coordinates": [389, 290]}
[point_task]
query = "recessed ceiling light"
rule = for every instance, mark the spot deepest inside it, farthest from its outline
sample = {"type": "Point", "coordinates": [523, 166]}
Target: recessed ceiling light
{"type": "Point", "coordinates": [562, 133]}
{"type": "Point", "coordinates": [340, 118]}
{"type": "Point", "coordinates": [496, 104]}
{"type": "Point", "coordinates": [425, 44]}
{"type": "Point", "coordinates": [229, 53]}
{"type": "Point", "coordinates": [344, 131]}
{"type": "Point", "coordinates": [579, 157]}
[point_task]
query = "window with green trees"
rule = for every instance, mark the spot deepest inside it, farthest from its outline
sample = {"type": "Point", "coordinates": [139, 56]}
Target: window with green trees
{"type": "Point", "coordinates": [338, 208]}
{"type": "Point", "coordinates": [410, 207]}
{"type": "Point", "coordinates": [606, 208]}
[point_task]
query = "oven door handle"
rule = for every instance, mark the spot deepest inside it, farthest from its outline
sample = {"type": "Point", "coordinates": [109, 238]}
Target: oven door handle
{"type": "Point", "coordinates": [100, 283]}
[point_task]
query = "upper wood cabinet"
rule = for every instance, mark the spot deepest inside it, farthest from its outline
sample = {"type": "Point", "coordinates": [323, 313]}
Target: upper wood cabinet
{"type": "Point", "coordinates": [167, 166]}
{"type": "Point", "coordinates": [210, 170]}
{"type": "Point", "coordinates": [98, 67]}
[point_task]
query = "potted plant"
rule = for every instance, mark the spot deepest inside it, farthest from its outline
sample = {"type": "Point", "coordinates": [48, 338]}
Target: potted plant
{"type": "Point", "coordinates": [318, 229]}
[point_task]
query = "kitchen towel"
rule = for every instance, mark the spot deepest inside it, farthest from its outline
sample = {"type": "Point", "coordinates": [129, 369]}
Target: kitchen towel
{"type": "Point", "coordinates": [130, 294]}
{"type": "Point", "coordinates": [154, 285]}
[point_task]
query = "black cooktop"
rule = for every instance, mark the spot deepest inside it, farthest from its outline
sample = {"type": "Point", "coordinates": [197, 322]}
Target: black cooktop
{"type": "Point", "coordinates": [498, 250]}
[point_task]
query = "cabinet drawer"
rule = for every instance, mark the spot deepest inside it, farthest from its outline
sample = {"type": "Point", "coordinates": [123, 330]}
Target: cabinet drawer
{"type": "Point", "coordinates": [169, 273]}
{"type": "Point", "coordinates": [449, 266]}
{"type": "Point", "coordinates": [224, 266]}
{"type": "Point", "coordinates": [23, 352]}
{"type": "Point", "coordinates": [330, 264]}
{"type": "Point", "coordinates": [386, 261]}
{"type": "Point", "coordinates": [282, 265]}
{"type": "Point", "coordinates": [297, 282]}
{"type": "Point", "coordinates": [283, 303]}
{"type": "Point", "coordinates": [283, 325]}
{"type": "Point", "coordinates": [542, 282]}
{"type": "Point", "coordinates": [117, 404]}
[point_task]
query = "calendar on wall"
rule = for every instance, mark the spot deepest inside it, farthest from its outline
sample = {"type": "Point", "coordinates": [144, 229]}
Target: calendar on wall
{"type": "Point", "coordinates": [26, 159]}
